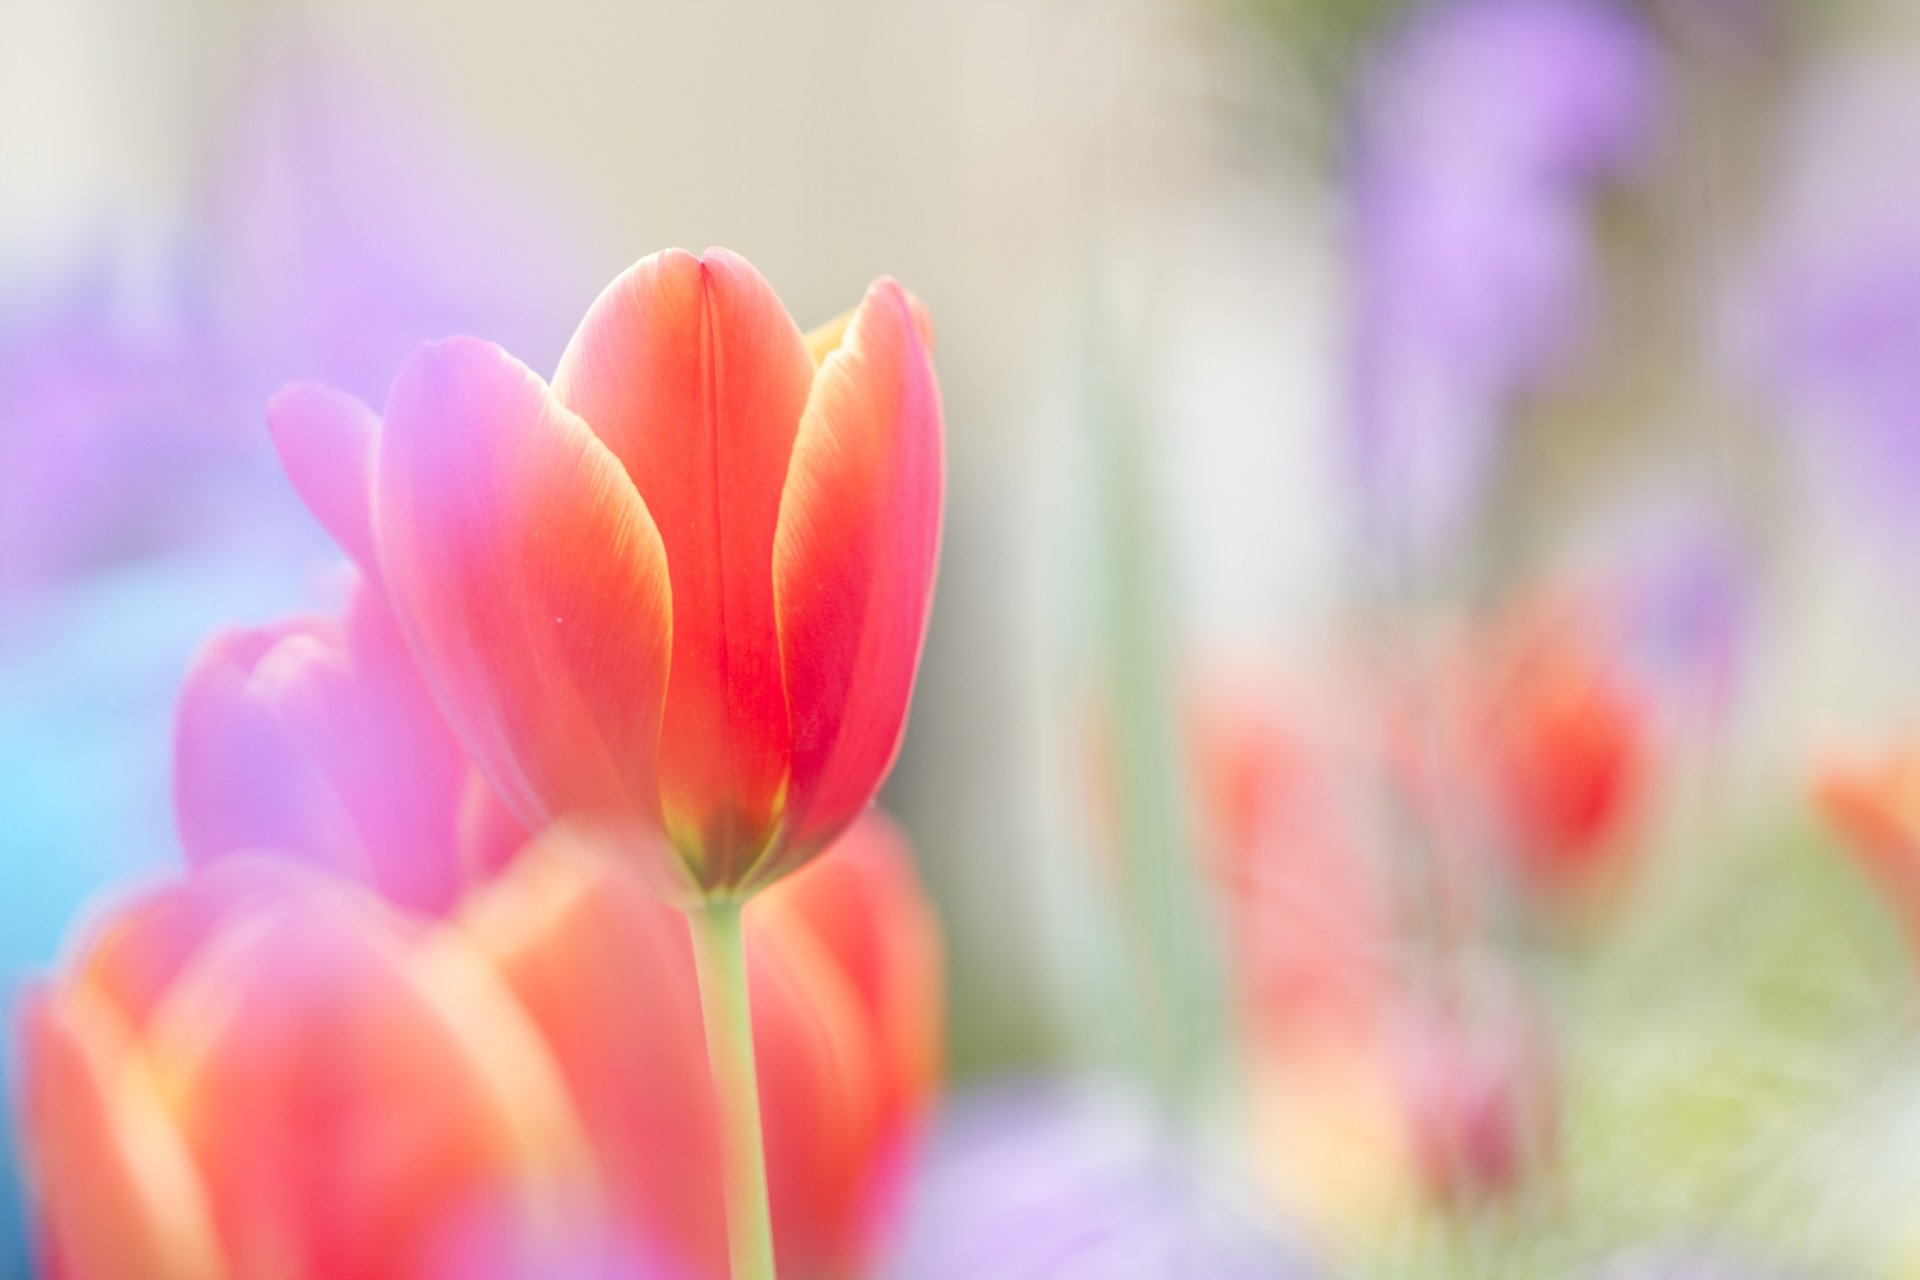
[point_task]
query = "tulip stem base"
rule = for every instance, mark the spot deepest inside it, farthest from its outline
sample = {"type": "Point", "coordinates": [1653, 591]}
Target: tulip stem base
{"type": "Point", "coordinates": [720, 956]}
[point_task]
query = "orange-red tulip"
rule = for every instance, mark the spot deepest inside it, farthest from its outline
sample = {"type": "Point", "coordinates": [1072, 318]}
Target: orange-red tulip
{"type": "Point", "coordinates": [1876, 805]}
{"type": "Point", "coordinates": [683, 590]}
{"type": "Point", "coordinates": [262, 1072]}
{"type": "Point", "coordinates": [845, 969]}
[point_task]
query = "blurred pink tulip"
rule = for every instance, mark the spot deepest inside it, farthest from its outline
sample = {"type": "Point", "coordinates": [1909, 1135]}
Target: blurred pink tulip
{"type": "Point", "coordinates": [682, 592]}
{"type": "Point", "coordinates": [264, 1072]}
{"type": "Point", "coordinates": [318, 739]}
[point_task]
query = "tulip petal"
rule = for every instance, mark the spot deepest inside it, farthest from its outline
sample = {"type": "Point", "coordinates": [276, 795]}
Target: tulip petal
{"type": "Point", "coordinates": [350, 1089]}
{"type": "Point", "coordinates": [116, 1191]}
{"type": "Point", "coordinates": [326, 440]}
{"type": "Point", "coordinates": [854, 564]}
{"type": "Point", "coordinates": [605, 971]}
{"type": "Point", "coordinates": [862, 901]}
{"type": "Point", "coordinates": [695, 376]}
{"type": "Point", "coordinates": [241, 780]}
{"type": "Point", "coordinates": [530, 582]}
{"type": "Point", "coordinates": [820, 1100]}
{"type": "Point", "coordinates": [326, 747]}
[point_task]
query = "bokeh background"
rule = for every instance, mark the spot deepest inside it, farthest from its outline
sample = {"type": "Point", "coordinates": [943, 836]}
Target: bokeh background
{"type": "Point", "coordinates": [1282, 342]}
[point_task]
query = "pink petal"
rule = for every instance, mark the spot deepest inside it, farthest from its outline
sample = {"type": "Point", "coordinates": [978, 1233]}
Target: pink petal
{"type": "Point", "coordinates": [326, 444]}
{"type": "Point", "coordinates": [530, 582]}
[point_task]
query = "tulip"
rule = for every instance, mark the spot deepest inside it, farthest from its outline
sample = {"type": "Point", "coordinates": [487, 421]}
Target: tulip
{"type": "Point", "coordinates": [1533, 752]}
{"type": "Point", "coordinates": [1875, 804]}
{"type": "Point", "coordinates": [1373, 1086]}
{"type": "Point", "coordinates": [845, 969]}
{"type": "Point", "coordinates": [680, 591]}
{"type": "Point", "coordinates": [318, 739]}
{"type": "Point", "coordinates": [264, 1072]}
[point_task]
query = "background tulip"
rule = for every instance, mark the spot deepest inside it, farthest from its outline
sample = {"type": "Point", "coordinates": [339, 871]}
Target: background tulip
{"type": "Point", "coordinates": [262, 1072]}
{"type": "Point", "coordinates": [845, 969]}
{"type": "Point", "coordinates": [318, 739]}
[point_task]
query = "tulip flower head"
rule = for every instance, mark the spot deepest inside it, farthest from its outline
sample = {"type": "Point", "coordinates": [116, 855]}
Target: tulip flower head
{"type": "Point", "coordinates": [317, 739]}
{"type": "Point", "coordinates": [262, 1071]}
{"type": "Point", "coordinates": [681, 592]}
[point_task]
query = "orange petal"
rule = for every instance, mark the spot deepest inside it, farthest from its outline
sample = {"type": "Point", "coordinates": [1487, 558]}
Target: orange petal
{"type": "Point", "coordinates": [1876, 806]}
{"type": "Point", "coordinates": [530, 581]}
{"type": "Point", "coordinates": [820, 1098]}
{"type": "Point", "coordinates": [116, 1193]}
{"type": "Point", "coordinates": [854, 564]}
{"type": "Point", "coordinates": [694, 375]}
{"type": "Point", "coordinates": [863, 902]}
{"type": "Point", "coordinates": [351, 1090]}
{"type": "Point", "coordinates": [605, 970]}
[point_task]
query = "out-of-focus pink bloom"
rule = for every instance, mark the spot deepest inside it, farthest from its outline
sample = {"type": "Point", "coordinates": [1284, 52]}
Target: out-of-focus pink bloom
{"type": "Point", "coordinates": [681, 592]}
{"type": "Point", "coordinates": [845, 969]}
{"type": "Point", "coordinates": [1480, 1085]}
{"type": "Point", "coordinates": [318, 739]}
{"type": "Point", "coordinates": [264, 1072]}
{"type": "Point", "coordinates": [1481, 132]}
{"type": "Point", "coordinates": [1378, 1077]}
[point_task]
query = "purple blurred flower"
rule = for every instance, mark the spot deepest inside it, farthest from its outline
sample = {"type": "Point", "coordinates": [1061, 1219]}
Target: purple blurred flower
{"type": "Point", "coordinates": [118, 431]}
{"type": "Point", "coordinates": [344, 226]}
{"type": "Point", "coordinates": [1049, 1181]}
{"type": "Point", "coordinates": [1481, 132]}
{"type": "Point", "coordinates": [1831, 327]}
{"type": "Point", "coordinates": [1682, 583]}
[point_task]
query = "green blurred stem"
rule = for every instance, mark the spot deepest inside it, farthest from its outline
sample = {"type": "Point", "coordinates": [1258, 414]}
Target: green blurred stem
{"type": "Point", "coordinates": [720, 956]}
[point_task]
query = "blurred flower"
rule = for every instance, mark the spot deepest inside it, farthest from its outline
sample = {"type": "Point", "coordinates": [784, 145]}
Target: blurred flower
{"type": "Point", "coordinates": [262, 1072]}
{"type": "Point", "coordinates": [1480, 1084]}
{"type": "Point", "coordinates": [1831, 326]}
{"type": "Point", "coordinates": [1875, 803]}
{"type": "Point", "coordinates": [1380, 1075]}
{"type": "Point", "coordinates": [119, 430]}
{"type": "Point", "coordinates": [1481, 131]}
{"type": "Point", "coordinates": [550, 567]}
{"type": "Point", "coordinates": [318, 739]}
{"type": "Point", "coordinates": [265, 1071]}
{"type": "Point", "coordinates": [1531, 753]}
{"type": "Point", "coordinates": [1063, 1183]}
{"type": "Point", "coordinates": [845, 968]}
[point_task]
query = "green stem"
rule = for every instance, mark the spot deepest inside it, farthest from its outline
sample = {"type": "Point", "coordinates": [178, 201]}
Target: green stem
{"type": "Point", "coordinates": [720, 956]}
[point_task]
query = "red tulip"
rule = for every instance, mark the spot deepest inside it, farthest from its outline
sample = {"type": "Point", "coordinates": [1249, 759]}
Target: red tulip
{"type": "Point", "coordinates": [1535, 745]}
{"type": "Point", "coordinates": [682, 591]}
{"type": "Point", "coordinates": [262, 1072]}
{"type": "Point", "coordinates": [845, 969]}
